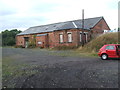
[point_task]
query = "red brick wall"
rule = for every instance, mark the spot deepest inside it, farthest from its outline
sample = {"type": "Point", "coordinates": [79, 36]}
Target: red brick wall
{"type": "Point", "coordinates": [53, 39]}
{"type": "Point", "coordinates": [100, 27]}
{"type": "Point", "coordinates": [41, 39]}
{"type": "Point", "coordinates": [20, 39]}
{"type": "Point", "coordinates": [65, 37]}
{"type": "Point", "coordinates": [75, 37]}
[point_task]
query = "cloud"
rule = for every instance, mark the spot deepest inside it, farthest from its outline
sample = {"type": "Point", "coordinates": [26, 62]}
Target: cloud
{"type": "Point", "coordinates": [27, 13]}
{"type": "Point", "coordinates": [119, 14]}
{"type": "Point", "coordinates": [20, 21]}
{"type": "Point", "coordinates": [6, 12]}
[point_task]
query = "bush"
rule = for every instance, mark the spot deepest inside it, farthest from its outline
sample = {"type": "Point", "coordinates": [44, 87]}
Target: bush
{"type": "Point", "coordinates": [20, 46]}
{"type": "Point", "coordinates": [41, 47]}
{"type": "Point", "coordinates": [31, 45]}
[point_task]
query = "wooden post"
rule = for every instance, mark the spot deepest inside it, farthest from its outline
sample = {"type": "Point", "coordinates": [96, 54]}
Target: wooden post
{"type": "Point", "coordinates": [82, 27]}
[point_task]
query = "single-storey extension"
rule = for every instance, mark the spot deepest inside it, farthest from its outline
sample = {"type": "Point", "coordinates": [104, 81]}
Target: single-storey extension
{"type": "Point", "coordinates": [67, 33]}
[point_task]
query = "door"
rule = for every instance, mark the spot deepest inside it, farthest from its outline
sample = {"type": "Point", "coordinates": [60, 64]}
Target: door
{"type": "Point", "coordinates": [118, 50]}
{"type": "Point", "coordinates": [84, 37]}
{"type": "Point", "coordinates": [26, 41]}
{"type": "Point", "coordinates": [26, 44]}
{"type": "Point", "coordinates": [111, 51]}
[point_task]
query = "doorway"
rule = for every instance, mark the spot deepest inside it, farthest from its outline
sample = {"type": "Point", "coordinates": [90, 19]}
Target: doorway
{"type": "Point", "coordinates": [26, 41]}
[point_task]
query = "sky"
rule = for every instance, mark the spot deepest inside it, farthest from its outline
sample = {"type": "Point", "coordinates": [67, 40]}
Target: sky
{"type": "Point", "coordinates": [22, 14]}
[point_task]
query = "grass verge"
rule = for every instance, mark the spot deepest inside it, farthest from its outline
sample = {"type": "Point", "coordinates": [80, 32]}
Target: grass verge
{"type": "Point", "coordinates": [94, 45]}
{"type": "Point", "coordinates": [72, 53]}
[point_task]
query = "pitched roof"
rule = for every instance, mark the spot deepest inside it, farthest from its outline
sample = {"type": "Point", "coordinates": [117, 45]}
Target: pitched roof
{"type": "Point", "coordinates": [88, 23]}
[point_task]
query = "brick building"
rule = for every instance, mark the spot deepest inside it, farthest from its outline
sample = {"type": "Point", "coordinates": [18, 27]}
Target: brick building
{"type": "Point", "coordinates": [64, 33]}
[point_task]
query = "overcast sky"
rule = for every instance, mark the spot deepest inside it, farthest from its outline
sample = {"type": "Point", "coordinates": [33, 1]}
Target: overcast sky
{"type": "Point", "coordinates": [22, 14]}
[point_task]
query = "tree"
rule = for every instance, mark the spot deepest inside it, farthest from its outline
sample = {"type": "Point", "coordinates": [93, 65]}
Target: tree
{"type": "Point", "coordinates": [8, 37]}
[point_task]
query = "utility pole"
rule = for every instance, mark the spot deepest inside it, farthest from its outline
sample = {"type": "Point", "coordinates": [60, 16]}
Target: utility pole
{"type": "Point", "coordinates": [83, 27]}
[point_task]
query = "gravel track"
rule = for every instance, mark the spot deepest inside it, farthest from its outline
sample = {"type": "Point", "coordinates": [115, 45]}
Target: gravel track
{"type": "Point", "coordinates": [54, 71]}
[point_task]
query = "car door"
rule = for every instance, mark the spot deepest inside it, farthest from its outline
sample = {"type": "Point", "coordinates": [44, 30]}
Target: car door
{"type": "Point", "coordinates": [111, 51]}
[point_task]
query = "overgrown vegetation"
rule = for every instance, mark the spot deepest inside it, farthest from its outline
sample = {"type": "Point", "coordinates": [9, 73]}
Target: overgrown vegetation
{"type": "Point", "coordinates": [16, 46]}
{"type": "Point", "coordinates": [94, 45]}
{"type": "Point", "coordinates": [8, 37]}
{"type": "Point", "coordinates": [32, 43]}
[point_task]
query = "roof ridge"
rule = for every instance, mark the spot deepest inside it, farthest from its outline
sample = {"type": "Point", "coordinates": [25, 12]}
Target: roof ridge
{"type": "Point", "coordinates": [65, 22]}
{"type": "Point", "coordinates": [89, 23]}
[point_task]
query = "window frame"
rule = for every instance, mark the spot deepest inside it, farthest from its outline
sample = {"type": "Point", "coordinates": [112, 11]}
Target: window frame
{"type": "Point", "coordinates": [80, 36]}
{"type": "Point", "coordinates": [69, 39]}
{"type": "Point", "coordinates": [61, 40]}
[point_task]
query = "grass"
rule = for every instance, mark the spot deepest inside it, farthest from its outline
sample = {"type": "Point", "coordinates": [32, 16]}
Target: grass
{"type": "Point", "coordinates": [94, 45]}
{"type": "Point", "coordinates": [12, 69]}
{"type": "Point", "coordinates": [65, 47]}
{"type": "Point", "coordinates": [72, 53]}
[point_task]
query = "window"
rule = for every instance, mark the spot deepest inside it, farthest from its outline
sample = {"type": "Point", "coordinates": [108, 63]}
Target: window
{"type": "Point", "coordinates": [80, 37]}
{"type": "Point", "coordinates": [86, 37]}
{"type": "Point", "coordinates": [110, 47]}
{"type": "Point", "coordinates": [61, 38]}
{"type": "Point", "coordinates": [118, 46]}
{"type": "Point", "coordinates": [105, 31]}
{"type": "Point", "coordinates": [69, 37]}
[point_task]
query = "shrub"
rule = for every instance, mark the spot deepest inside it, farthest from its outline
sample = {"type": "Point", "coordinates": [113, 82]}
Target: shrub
{"type": "Point", "coordinates": [31, 45]}
{"type": "Point", "coordinates": [41, 47]}
{"type": "Point", "coordinates": [20, 46]}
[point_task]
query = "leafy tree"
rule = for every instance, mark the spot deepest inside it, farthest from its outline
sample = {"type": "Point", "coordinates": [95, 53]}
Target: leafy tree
{"type": "Point", "coordinates": [8, 37]}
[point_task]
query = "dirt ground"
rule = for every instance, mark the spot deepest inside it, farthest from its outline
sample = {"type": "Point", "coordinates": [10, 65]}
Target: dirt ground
{"type": "Point", "coordinates": [39, 68]}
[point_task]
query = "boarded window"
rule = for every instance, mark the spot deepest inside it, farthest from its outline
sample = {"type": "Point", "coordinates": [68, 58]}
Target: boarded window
{"type": "Point", "coordinates": [69, 37]}
{"type": "Point", "coordinates": [80, 37]}
{"type": "Point", "coordinates": [61, 38]}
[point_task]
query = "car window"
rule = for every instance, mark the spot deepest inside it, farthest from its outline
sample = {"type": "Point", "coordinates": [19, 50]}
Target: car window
{"type": "Point", "coordinates": [118, 46]}
{"type": "Point", "coordinates": [110, 47]}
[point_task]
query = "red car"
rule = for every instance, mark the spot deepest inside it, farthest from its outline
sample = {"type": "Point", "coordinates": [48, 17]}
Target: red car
{"type": "Point", "coordinates": [110, 51]}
